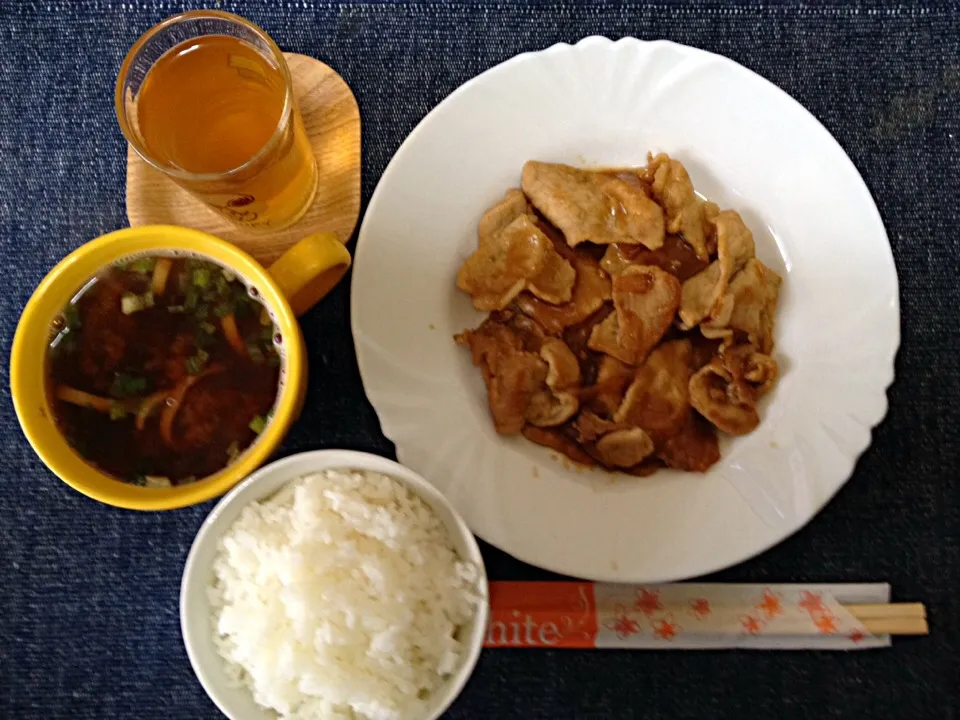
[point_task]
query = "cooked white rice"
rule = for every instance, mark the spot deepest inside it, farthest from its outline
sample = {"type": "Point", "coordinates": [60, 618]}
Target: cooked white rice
{"type": "Point", "coordinates": [341, 597]}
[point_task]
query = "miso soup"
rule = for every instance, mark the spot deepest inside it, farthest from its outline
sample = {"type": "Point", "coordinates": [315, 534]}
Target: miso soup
{"type": "Point", "coordinates": [163, 370]}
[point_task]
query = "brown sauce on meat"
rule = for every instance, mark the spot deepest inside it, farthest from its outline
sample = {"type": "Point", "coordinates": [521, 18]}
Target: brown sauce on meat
{"type": "Point", "coordinates": [576, 338]}
{"type": "Point", "coordinates": [676, 256]}
{"type": "Point", "coordinates": [631, 177]}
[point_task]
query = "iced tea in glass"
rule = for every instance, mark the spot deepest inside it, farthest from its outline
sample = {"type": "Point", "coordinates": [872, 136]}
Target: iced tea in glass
{"type": "Point", "coordinates": [206, 97]}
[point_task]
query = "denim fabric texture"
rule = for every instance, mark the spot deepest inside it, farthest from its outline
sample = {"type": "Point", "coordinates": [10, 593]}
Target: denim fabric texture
{"type": "Point", "coordinates": [88, 594]}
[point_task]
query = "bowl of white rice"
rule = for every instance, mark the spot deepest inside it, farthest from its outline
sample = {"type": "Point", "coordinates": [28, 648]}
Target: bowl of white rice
{"type": "Point", "coordinates": [333, 584]}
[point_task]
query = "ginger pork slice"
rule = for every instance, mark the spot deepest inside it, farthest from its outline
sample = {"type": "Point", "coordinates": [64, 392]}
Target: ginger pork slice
{"type": "Point", "coordinates": [498, 270]}
{"type": "Point", "coordinates": [705, 294]}
{"type": "Point", "coordinates": [659, 402]}
{"type": "Point", "coordinates": [554, 283]}
{"type": "Point", "coordinates": [694, 447]}
{"type": "Point", "coordinates": [748, 306]}
{"type": "Point", "coordinates": [516, 257]}
{"type": "Point", "coordinates": [499, 216]}
{"type": "Point", "coordinates": [490, 344]}
{"type": "Point", "coordinates": [549, 409]}
{"type": "Point", "coordinates": [613, 378]}
{"type": "Point", "coordinates": [591, 289]}
{"type": "Point", "coordinates": [589, 426]}
{"type": "Point", "coordinates": [685, 211]}
{"type": "Point", "coordinates": [726, 390]}
{"type": "Point", "coordinates": [556, 404]}
{"type": "Point", "coordinates": [593, 206]}
{"type": "Point", "coordinates": [512, 389]}
{"type": "Point", "coordinates": [624, 448]}
{"type": "Point", "coordinates": [658, 398]}
{"type": "Point", "coordinates": [564, 370]}
{"type": "Point", "coordinates": [645, 300]}
{"type": "Point", "coordinates": [744, 362]}
{"type": "Point", "coordinates": [727, 402]}
{"type": "Point", "coordinates": [616, 445]}
{"type": "Point", "coordinates": [512, 373]}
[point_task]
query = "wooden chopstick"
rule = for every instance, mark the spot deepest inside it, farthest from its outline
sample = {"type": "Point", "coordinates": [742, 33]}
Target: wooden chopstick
{"type": "Point", "coordinates": [891, 618]}
{"type": "Point", "coordinates": [896, 626]}
{"type": "Point", "coordinates": [886, 610]}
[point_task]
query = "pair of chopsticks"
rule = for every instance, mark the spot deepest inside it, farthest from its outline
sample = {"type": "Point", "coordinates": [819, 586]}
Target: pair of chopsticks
{"type": "Point", "coordinates": [878, 619]}
{"type": "Point", "coordinates": [891, 618]}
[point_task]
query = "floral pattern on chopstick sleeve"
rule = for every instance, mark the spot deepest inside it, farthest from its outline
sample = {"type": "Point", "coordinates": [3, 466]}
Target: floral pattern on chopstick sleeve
{"type": "Point", "coordinates": [684, 615]}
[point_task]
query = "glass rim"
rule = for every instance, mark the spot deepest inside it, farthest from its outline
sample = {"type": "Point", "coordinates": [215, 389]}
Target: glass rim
{"type": "Point", "coordinates": [172, 170]}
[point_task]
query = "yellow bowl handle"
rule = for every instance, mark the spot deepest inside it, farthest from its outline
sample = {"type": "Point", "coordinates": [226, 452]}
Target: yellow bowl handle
{"type": "Point", "coordinates": [310, 269]}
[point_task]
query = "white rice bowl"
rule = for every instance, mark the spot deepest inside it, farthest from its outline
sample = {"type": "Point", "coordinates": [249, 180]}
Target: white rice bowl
{"type": "Point", "coordinates": [341, 596]}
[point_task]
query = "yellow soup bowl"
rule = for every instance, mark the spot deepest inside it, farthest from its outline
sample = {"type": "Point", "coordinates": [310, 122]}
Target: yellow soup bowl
{"type": "Point", "coordinates": [292, 285]}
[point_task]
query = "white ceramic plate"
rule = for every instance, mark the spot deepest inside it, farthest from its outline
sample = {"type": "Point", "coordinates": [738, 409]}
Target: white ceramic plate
{"type": "Point", "coordinates": [748, 146]}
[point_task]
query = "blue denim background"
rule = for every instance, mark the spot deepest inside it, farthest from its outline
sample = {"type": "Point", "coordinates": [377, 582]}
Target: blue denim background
{"type": "Point", "coordinates": [88, 594]}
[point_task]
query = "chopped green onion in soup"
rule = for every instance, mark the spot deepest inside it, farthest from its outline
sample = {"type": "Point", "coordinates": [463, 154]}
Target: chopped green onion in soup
{"type": "Point", "coordinates": [191, 298]}
{"type": "Point", "coordinates": [196, 363]}
{"type": "Point", "coordinates": [201, 277]}
{"type": "Point", "coordinates": [143, 265]}
{"type": "Point", "coordinates": [126, 385]}
{"type": "Point", "coordinates": [130, 303]}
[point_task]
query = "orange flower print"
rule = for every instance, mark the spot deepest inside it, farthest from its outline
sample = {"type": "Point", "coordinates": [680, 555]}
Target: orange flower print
{"type": "Point", "coordinates": [622, 624]}
{"type": "Point", "coordinates": [666, 629]}
{"type": "Point", "coordinates": [700, 608]}
{"type": "Point", "coordinates": [648, 602]}
{"type": "Point", "coordinates": [856, 636]}
{"type": "Point", "coordinates": [770, 606]}
{"type": "Point", "coordinates": [751, 625]}
{"type": "Point", "coordinates": [812, 602]}
{"type": "Point", "coordinates": [826, 623]}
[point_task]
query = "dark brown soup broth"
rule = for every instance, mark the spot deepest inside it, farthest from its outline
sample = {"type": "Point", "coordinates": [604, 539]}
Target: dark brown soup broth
{"type": "Point", "coordinates": [163, 370]}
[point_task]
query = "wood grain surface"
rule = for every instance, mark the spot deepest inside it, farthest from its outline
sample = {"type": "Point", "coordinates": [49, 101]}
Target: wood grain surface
{"type": "Point", "coordinates": [332, 120]}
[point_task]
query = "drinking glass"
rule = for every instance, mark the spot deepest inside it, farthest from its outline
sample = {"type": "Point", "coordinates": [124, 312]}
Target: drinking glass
{"type": "Point", "coordinates": [223, 124]}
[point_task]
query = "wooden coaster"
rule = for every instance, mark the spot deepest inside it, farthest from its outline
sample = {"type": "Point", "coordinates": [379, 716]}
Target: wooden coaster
{"type": "Point", "coordinates": [332, 120]}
